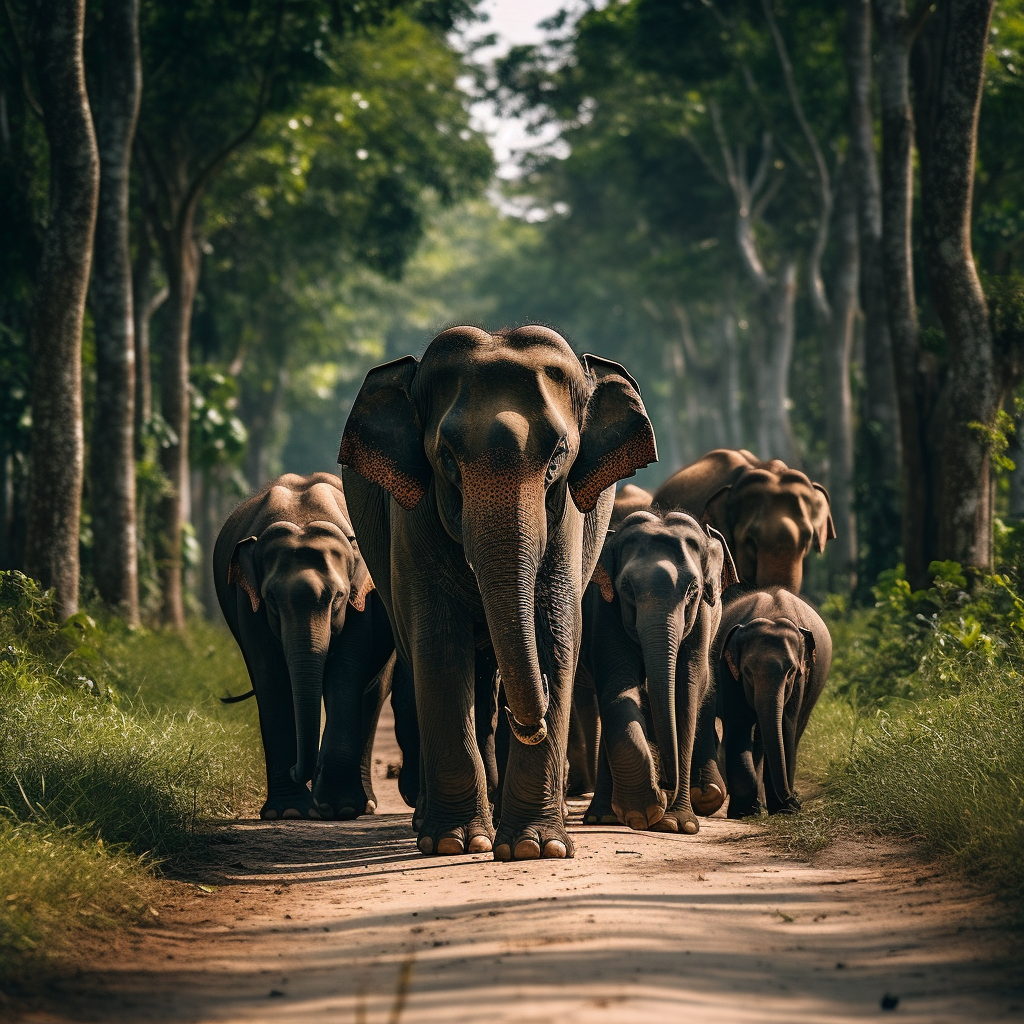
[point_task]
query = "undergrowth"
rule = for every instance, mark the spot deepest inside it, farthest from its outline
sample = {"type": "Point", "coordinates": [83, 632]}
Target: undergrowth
{"type": "Point", "coordinates": [114, 754]}
{"type": "Point", "coordinates": [921, 733]}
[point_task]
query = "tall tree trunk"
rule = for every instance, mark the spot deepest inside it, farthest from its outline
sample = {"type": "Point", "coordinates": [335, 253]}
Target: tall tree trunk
{"type": "Point", "coordinates": [731, 376]}
{"type": "Point", "coordinates": [949, 68]}
{"type": "Point", "coordinates": [775, 433]}
{"type": "Point", "coordinates": [57, 448]}
{"type": "Point", "coordinates": [146, 300]}
{"type": "Point", "coordinates": [113, 449]}
{"type": "Point", "coordinates": [837, 350]}
{"type": "Point", "coordinates": [878, 514]}
{"type": "Point", "coordinates": [181, 255]}
{"type": "Point", "coordinates": [914, 375]}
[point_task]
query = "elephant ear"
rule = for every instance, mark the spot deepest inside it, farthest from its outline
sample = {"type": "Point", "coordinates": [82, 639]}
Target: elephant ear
{"type": "Point", "coordinates": [715, 510]}
{"type": "Point", "coordinates": [383, 439]}
{"type": "Point", "coordinates": [809, 645]}
{"type": "Point", "coordinates": [616, 438]}
{"type": "Point", "coordinates": [731, 650]}
{"type": "Point", "coordinates": [604, 582]}
{"type": "Point", "coordinates": [824, 528]}
{"type": "Point", "coordinates": [719, 574]}
{"type": "Point", "coordinates": [242, 570]}
{"type": "Point", "coordinates": [362, 584]}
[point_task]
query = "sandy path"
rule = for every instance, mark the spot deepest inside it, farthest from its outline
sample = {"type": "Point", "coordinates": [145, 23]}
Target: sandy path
{"type": "Point", "coordinates": [346, 922]}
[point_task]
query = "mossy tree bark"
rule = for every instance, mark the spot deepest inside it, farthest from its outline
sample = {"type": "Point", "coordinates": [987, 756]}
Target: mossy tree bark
{"type": "Point", "coordinates": [57, 448]}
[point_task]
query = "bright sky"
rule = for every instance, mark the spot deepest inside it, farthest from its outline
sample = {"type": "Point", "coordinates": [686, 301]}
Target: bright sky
{"type": "Point", "coordinates": [514, 22]}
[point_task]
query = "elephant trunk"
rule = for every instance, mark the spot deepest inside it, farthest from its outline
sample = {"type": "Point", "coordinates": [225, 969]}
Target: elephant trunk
{"type": "Point", "coordinates": [306, 653]}
{"type": "Point", "coordinates": [769, 706]}
{"type": "Point", "coordinates": [505, 562]}
{"type": "Point", "coordinates": [659, 640]}
{"type": "Point", "coordinates": [786, 571]}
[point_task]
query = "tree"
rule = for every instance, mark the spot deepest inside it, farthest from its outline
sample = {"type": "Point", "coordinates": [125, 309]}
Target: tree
{"type": "Point", "coordinates": [112, 492]}
{"type": "Point", "coordinates": [54, 35]}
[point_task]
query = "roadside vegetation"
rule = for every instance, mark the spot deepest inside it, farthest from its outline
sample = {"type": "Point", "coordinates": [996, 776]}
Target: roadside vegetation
{"type": "Point", "coordinates": [115, 754]}
{"type": "Point", "coordinates": [921, 732]}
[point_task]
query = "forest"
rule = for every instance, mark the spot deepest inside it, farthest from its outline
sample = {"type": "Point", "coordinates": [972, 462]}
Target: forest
{"type": "Point", "coordinates": [799, 225]}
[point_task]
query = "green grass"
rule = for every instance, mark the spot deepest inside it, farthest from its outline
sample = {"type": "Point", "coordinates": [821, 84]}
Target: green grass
{"type": "Point", "coordinates": [115, 754]}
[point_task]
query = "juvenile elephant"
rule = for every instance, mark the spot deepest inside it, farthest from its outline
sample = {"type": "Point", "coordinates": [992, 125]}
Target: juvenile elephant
{"type": "Point", "coordinates": [479, 480]}
{"type": "Point", "coordinates": [770, 515]}
{"type": "Point", "coordinates": [649, 622]}
{"type": "Point", "coordinates": [775, 657]}
{"type": "Point", "coordinates": [629, 498]}
{"type": "Point", "coordinates": [298, 598]}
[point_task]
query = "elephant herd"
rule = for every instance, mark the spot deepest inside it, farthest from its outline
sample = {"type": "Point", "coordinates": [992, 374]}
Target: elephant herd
{"type": "Point", "coordinates": [465, 562]}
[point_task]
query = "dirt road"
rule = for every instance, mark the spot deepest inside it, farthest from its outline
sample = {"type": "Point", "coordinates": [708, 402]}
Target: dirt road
{"type": "Point", "coordinates": [346, 922]}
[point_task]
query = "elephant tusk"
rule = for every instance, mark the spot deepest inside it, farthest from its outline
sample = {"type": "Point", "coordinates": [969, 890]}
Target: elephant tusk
{"type": "Point", "coordinates": [525, 734]}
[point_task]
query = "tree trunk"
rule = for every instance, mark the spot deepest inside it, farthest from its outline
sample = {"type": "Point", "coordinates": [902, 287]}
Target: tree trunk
{"type": "Point", "coordinates": [775, 433]}
{"type": "Point", "coordinates": [837, 345]}
{"type": "Point", "coordinates": [915, 378]}
{"type": "Point", "coordinates": [55, 485]}
{"type": "Point", "coordinates": [115, 565]}
{"type": "Point", "coordinates": [145, 302]}
{"type": "Point", "coordinates": [878, 514]}
{"type": "Point", "coordinates": [949, 67]}
{"type": "Point", "coordinates": [181, 255]}
{"type": "Point", "coordinates": [731, 354]}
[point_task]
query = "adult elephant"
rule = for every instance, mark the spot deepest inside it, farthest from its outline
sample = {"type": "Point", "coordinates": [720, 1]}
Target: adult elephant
{"type": "Point", "coordinates": [299, 601]}
{"type": "Point", "coordinates": [775, 657]}
{"type": "Point", "coordinates": [479, 480]}
{"type": "Point", "coordinates": [770, 515]}
{"type": "Point", "coordinates": [649, 621]}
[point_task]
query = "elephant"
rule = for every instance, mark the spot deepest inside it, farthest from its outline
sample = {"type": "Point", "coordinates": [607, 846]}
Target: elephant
{"type": "Point", "coordinates": [649, 621]}
{"type": "Point", "coordinates": [300, 603]}
{"type": "Point", "coordinates": [480, 484]}
{"type": "Point", "coordinates": [775, 655]}
{"type": "Point", "coordinates": [771, 516]}
{"type": "Point", "coordinates": [629, 498]}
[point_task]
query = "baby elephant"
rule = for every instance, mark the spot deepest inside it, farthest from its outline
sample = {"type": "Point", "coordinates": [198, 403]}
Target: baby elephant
{"type": "Point", "coordinates": [648, 627]}
{"type": "Point", "coordinates": [775, 656]}
{"type": "Point", "coordinates": [298, 599]}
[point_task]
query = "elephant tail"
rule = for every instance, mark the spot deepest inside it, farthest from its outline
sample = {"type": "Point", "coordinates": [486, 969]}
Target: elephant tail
{"type": "Point", "coordinates": [241, 696]}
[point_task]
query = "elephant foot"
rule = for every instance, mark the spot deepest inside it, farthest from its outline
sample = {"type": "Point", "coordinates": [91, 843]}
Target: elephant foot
{"type": "Point", "coordinates": [529, 840]}
{"type": "Point", "coordinates": [739, 810]}
{"type": "Point", "coordinates": [600, 812]}
{"type": "Point", "coordinates": [791, 806]}
{"type": "Point", "coordinates": [409, 783]}
{"type": "Point", "coordinates": [290, 807]}
{"type": "Point", "coordinates": [341, 803]}
{"type": "Point", "coordinates": [681, 821]}
{"type": "Point", "coordinates": [446, 839]}
{"type": "Point", "coordinates": [640, 809]}
{"type": "Point", "coordinates": [707, 790]}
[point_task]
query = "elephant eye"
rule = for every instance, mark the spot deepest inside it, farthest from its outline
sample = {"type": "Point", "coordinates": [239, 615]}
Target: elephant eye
{"type": "Point", "coordinates": [451, 466]}
{"type": "Point", "coordinates": [557, 458]}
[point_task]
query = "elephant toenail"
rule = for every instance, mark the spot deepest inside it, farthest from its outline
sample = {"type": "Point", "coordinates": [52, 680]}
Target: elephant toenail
{"type": "Point", "coordinates": [555, 848]}
{"type": "Point", "coordinates": [654, 814]}
{"type": "Point", "coordinates": [426, 845]}
{"type": "Point", "coordinates": [450, 845]}
{"type": "Point", "coordinates": [479, 844]}
{"type": "Point", "coordinates": [527, 849]}
{"type": "Point", "coordinates": [291, 814]}
{"type": "Point", "coordinates": [269, 815]}
{"type": "Point", "coordinates": [691, 828]}
{"type": "Point", "coordinates": [314, 813]}
{"type": "Point", "coordinates": [502, 852]}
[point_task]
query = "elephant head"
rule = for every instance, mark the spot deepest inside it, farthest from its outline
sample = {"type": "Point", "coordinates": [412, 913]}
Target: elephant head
{"type": "Point", "coordinates": [772, 517]}
{"type": "Point", "coordinates": [504, 433]}
{"type": "Point", "coordinates": [306, 577]}
{"type": "Point", "coordinates": [770, 658]}
{"type": "Point", "coordinates": [662, 568]}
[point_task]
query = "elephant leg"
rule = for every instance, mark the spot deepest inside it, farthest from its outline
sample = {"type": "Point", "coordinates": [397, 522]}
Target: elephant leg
{"type": "Point", "coordinates": [374, 697]}
{"type": "Point", "coordinates": [707, 788]}
{"type": "Point", "coordinates": [407, 732]}
{"type": "Point", "coordinates": [502, 739]}
{"type": "Point", "coordinates": [739, 765]}
{"type": "Point", "coordinates": [584, 729]}
{"type": "Point", "coordinates": [268, 671]}
{"type": "Point", "coordinates": [485, 716]}
{"type": "Point", "coordinates": [600, 811]}
{"type": "Point", "coordinates": [457, 815]}
{"type": "Point", "coordinates": [339, 790]}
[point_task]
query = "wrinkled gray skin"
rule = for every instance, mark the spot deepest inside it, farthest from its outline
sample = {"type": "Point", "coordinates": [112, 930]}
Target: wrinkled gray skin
{"type": "Point", "coordinates": [650, 616]}
{"type": "Point", "coordinates": [479, 480]}
{"type": "Point", "coordinates": [584, 718]}
{"type": "Point", "coordinates": [298, 598]}
{"type": "Point", "coordinates": [775, 658]}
